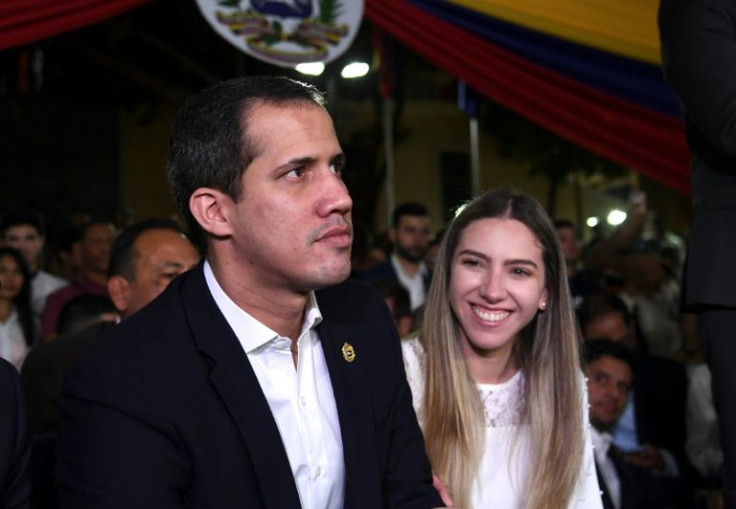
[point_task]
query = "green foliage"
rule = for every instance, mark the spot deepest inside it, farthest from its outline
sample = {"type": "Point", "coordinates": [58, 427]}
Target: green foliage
{"type": "Point", "coordinates": [544, 152]}
{"type": "Point", "coordinates": [233, 4]}
{"type": "Point", "coordinates": [541, 151]}
{"type": "Point", "coordinates": [330, 10]}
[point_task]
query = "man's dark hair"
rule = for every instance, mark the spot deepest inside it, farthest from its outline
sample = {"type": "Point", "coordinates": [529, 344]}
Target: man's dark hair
{"type": "Point", "coordinates": [68, 238]}
{"type": "Point", "coordinates": [408, 209]}
{"type": "Point", "coordinates": [24, 217]}
{"type": "Point", "coordinates": [83, 311]}
{"type": "Point", "coordinates": [391, 289]}
{"type": "Point", "coordinates": [123, 255]}
{"type": "Point", "coordinates": [84, 229]}
{"type": "Point", "coordinates": [564, 223]}
{"type": "Point", "coordinates": [600, 304]}
{"type": "Point", "coordinates": [595, 349]}
{"type": "Point", "coordinates": [210, 144]}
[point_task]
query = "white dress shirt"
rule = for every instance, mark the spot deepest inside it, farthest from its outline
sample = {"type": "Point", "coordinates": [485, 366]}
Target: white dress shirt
{"type": "Point", "coordinates": [42, 285]}
{"type": "Point", "coordinates": [601, 445]}
{"type": "Point", "coordinates": [13, 345]}
{"type": "Point", "coordinates": [414, 284]}
{"type": "Point", "coordinates": [301, 400]}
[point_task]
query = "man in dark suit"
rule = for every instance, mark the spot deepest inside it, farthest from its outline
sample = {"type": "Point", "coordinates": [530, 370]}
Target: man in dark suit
{"type": "Point", "coordinates": [609, 369]}
{"type": "Point", "coordinates": [259, 379]}
{"type": "Point", "coordinates": [698, 55]}
{"type": "Point", "coordinates": [652, 429]}
{"type": "Point", "coordinates": [410, 236]}
{"type": "Point", "coordinates": [15, 485]}
{"type": "Point", "coordinates": [145, 258]}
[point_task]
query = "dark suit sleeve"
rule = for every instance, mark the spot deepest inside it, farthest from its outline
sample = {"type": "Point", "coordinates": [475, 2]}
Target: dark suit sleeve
{"type": "Point", "coordinates": [699, 55]}
{"type": "Point", "coordinates": [15, 485]}
{"type": "Point", "coordinates": [41, 379]}
{"type": "Point", "coordinates": [409, 474]}
{"type": "Point", "coordinates": [117, 447]}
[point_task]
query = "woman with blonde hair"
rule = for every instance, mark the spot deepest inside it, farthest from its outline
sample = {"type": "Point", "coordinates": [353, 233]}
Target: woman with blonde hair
{"type": "Point", "coordinates": [496, 375]}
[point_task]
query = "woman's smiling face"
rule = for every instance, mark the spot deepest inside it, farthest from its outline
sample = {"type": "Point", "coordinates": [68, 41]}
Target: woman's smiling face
{"type": "Point", "coordinates": [497, 285]}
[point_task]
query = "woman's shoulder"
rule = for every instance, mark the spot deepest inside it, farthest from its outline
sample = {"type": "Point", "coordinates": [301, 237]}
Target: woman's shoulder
{"type": "Point", "coordinates": [415, 366]}
{"type": "Point", "coordinates": [414, 355]}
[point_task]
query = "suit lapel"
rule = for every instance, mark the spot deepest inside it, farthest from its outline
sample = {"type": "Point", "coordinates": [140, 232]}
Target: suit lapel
{"type": "Point", "coordinates": [235, 381]}
{"type": "Point", "coordinates": [605, 495]}
{"type": "Point", "coordinates": [349, 384]}
{"type": "Point", "coordinates": [642, 398]}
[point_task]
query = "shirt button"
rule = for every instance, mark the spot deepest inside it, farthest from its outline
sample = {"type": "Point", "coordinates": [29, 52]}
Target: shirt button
{"type": "Point", "coordinates": [302, 401]}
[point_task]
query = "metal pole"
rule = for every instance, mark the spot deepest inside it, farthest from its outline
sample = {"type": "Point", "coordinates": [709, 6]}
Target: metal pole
{"type": "Point", "coordinates": [388, 139]}
{"type": "Point", "coordinates": [474, 156]}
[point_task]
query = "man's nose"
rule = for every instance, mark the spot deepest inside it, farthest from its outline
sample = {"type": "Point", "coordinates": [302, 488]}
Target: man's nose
{"type": "Point", "coordinates": [334, 196]}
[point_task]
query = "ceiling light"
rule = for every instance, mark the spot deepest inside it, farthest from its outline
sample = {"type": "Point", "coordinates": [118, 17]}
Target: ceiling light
{"type": "Point", "coordinates": [311, 68]}
{"type": "Point", "coordinates": [355, 70]}
{"type": "Point", "coordinates": [616, 217]}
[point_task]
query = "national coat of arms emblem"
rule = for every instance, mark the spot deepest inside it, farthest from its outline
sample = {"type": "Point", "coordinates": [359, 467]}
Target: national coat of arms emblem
{"type": "Point", "coordinates": [286, 32]}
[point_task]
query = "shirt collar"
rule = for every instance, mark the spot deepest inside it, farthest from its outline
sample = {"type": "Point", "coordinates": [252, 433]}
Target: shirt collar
{"type": "Point", "coordinates": [12, 317]}
{"type": "Point", "coordinates": [601, 441]}
{"type": "Point", "coordinates": [423, 269]}
{"type": "Point", "coordinates": [251, 333]}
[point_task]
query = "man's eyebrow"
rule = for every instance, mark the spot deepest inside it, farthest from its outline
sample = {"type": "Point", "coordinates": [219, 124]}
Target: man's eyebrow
{"type": "Point", "coordinates": [297, 161]}
{"type": "Point", "coordinates": [339, 158]}
{"type": "Point", "coordinates": [169, 263]}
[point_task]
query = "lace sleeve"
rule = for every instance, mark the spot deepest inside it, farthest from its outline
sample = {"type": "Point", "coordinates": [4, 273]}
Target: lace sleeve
{"type": "Point", "coordinates": [414, 364]}
{"type": "Point", "coordinates": [588, 494]}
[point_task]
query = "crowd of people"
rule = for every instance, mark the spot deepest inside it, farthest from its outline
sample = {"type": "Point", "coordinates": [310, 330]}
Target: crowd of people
{"type": "Point", "coordinates": [248, 360]}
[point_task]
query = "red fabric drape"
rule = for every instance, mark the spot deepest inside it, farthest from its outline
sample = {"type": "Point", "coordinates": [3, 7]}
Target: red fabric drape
{"type": "Point", "coordinates": [649, 142]}
{"type": "Point", "coordinates": [24, 21]}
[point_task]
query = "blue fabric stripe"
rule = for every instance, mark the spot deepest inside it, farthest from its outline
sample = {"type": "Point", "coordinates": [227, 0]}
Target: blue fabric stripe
{"type": "Point", "coordinates": [628, 79]}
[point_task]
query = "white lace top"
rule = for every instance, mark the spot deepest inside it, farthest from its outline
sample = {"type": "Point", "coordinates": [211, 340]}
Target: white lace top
{"type": "Point", "coordinates": [500, 482]}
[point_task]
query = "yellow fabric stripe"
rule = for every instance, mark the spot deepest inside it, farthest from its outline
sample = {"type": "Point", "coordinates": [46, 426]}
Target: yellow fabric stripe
{"type": "Point", "coordinates": [623, 27]}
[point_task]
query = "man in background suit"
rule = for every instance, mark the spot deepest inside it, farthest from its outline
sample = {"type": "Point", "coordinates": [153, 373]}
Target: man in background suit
{"type": "Point", "coordinates": [145, 258]}
{"type": "Point", "coordinates": [699, 61]}
{"type": "Point", "coordinates": [15, 485]}
{"type": "Point", "coordinates": [410, 235]}
{"type": "Point", "coordinates": [652, 429]}
{"type": "Point", "coordinates": [260, 379]}
{"type": "Point", "coordinates": [609, 369]}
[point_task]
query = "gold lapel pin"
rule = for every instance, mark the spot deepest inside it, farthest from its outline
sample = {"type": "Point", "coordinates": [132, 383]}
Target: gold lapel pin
{"type": "Point", "coordinates": [348, 352]}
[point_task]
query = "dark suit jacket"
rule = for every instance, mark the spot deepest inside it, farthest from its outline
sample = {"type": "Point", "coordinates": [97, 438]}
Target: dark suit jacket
{"type": "Point", "coordinates": [698, 55]}
{"type": "Point", "coordinates": [640, 489]}
{"type": "Point", "coordinates": [385, 272]}
{"type": "Point", "coordinates": [45, 368]}
{"type": "Point", "coordinates": [165, 411]}
{"type": "Point", "coordinates": [15, 485]}
{"type": "Point", "coordinates": [660, 392]}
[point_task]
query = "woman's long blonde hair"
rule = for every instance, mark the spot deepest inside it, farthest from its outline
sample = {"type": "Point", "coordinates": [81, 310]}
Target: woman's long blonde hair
{"type": "Point", "coordinates": [546, 351]}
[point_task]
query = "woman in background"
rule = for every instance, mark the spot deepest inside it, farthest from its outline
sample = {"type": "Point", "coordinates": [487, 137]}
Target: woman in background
{"type": "Point", "coordinates": [16, 321]}
{"type": "Point", "coordinates": [496, 375]}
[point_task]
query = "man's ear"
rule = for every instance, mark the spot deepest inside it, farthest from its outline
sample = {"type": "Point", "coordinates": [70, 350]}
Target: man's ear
{"type": "Point", "coordinates": [119, 289]}
{"type": "Point", "coordinates": [211, 209]}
